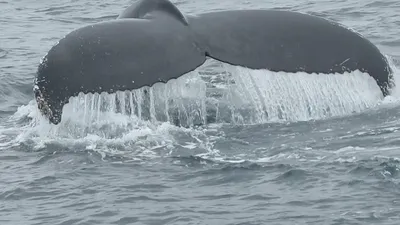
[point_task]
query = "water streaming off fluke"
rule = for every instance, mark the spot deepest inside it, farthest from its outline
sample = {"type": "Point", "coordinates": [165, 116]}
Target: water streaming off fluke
{"type": "Point", "coordinates": [280, 96]}
{"type": "Point", "coordinates": [243, 96]}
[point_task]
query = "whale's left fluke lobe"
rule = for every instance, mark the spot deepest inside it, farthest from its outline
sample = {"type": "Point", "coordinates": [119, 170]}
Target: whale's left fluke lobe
{"type": "Point", "coordinates": [123, 54]}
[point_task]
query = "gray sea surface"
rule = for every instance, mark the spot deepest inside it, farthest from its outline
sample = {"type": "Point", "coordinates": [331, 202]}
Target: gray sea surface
{"type": "Point", "coordinates": [330, 154]}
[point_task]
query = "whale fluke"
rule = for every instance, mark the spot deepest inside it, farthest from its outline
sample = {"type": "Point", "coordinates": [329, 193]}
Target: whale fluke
{"type": "Point", "coordinates": [152, 41]}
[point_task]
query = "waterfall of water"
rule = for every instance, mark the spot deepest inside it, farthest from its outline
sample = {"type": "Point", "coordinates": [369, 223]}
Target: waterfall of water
{"type": "Point", "coordinates": [279, 96]}
{"type": "Point", "coordinates": [248, 97]}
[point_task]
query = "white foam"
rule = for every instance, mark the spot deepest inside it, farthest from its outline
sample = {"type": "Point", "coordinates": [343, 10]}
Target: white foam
{"type": "Point", "coordinates": [121, 135]}
{"type": "Point", "coordinates": [138, 124]}
{"type": "Point", "coordinates": [95, 122]}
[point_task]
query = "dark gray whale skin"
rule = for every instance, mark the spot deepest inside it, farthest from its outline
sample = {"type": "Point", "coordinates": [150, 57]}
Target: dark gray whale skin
{"type": "Point", "coordinates": [152, 41]}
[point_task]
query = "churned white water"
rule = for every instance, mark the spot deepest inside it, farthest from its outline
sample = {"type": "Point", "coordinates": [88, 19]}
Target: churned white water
{"type": "Point", "coordinates": [149, 116]}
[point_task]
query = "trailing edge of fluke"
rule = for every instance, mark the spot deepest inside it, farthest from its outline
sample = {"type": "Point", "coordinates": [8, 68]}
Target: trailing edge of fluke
{"type": "Point", "coordinates": [152, 41]}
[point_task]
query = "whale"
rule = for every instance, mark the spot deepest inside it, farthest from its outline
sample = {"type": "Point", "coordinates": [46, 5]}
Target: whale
{"type": "Point", "coordinates": [152, 41]}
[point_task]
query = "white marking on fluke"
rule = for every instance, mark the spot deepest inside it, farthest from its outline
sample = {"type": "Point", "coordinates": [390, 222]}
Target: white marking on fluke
{"type": "Point", "coordinates": [344, 61]}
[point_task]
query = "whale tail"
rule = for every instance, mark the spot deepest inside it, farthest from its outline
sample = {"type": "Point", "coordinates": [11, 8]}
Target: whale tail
{"type": "Point", "coordinates": [152, 41]}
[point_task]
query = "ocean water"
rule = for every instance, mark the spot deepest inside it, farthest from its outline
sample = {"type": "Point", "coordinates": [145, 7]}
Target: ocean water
{"type": "Point", "coordinates": [328, 155]}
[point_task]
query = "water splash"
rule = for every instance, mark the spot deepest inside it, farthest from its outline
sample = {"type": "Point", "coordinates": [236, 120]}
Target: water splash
{"type": "Point", "coordinates": [143, 120]}
{"type": "Point", "coordinates": [128, 124]}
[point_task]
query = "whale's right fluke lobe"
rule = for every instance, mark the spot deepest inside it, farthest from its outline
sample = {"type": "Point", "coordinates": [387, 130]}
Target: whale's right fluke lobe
{"type": "Point", "coordinates": [290, 42]}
